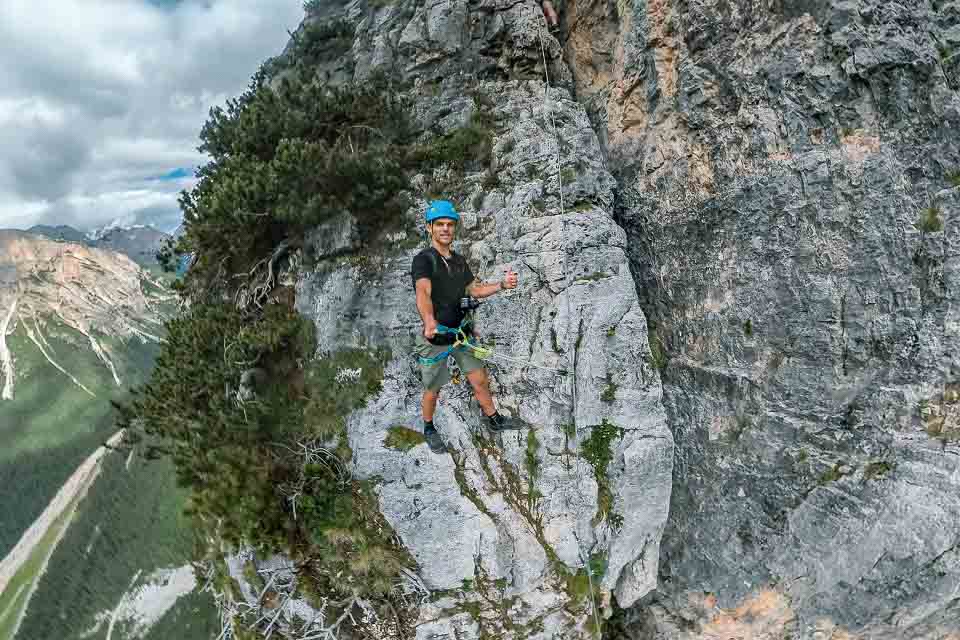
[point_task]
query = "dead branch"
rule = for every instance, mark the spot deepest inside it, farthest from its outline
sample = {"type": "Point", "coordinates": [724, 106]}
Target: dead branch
{"type": "Point", "coordinates": [260, 284]}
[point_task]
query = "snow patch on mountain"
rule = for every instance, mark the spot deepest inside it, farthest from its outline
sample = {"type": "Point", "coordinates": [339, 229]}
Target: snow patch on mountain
{"type": "Point", "coordinates": [141, 607]}
{"type": "Point", "coordinates": [40, 345]}
{"type": "Point", "coordinates": [6, 359]}
{"type": "Point", "coordinates": [120, 224]}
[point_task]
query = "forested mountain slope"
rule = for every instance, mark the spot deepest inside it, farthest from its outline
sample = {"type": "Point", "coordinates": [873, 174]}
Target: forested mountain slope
{"type": "Point", "coordinates": [81, 526]}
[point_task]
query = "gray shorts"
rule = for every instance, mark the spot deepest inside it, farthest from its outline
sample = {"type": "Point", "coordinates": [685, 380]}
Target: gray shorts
{"type": "Point", "coordinates": [434, 376]}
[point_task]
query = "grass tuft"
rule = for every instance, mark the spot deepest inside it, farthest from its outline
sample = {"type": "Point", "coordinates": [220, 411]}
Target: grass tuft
{"type": "Point", "coordinates": [402, 438]}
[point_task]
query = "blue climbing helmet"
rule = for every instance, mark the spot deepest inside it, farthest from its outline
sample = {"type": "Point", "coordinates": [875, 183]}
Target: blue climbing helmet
{"type": "Point", "coordinates": [441, 209]}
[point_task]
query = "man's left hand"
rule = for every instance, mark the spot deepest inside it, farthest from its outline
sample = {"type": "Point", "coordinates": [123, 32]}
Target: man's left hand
{"type": "Point", "coordinates": [510, 281]}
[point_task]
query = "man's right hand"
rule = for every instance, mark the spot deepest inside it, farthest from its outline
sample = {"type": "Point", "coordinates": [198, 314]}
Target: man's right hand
{"type": "Point", "coordinates": [430, 330]}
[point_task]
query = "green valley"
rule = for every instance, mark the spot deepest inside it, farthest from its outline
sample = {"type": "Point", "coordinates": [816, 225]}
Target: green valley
{"type": "Point", "coordinates": [92, 540]}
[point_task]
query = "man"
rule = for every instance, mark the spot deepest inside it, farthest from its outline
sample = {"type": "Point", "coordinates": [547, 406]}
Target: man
{"type": "Point", "coordinates": [550, 14]}
{"type": "Point", "coordinates": [442, 279]}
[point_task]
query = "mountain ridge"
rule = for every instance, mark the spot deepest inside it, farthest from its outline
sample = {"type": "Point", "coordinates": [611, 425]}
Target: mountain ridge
{"type": "Point", "coordinates": [139, 242]}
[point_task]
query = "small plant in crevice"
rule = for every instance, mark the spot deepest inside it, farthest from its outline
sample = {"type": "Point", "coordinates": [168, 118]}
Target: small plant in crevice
{"type": "Point", "coordinates": [658, 355]}
{"type": "Point", "coordinates": [609, 393]}
{"type": "Point", "coordinates": [742, 425]}
{"type": "Point", "coordinates": [938, 414]}
{"type": "Point", "coordinates": [476, 200]}
{"type": "Point", "coordinates": [748, 328]}
{"type": "Point", "coordinates": [878, 469]}
{"type": "Point", "coordinates": [834, 473]}
{"type": "Point", "coordinates": [456, 153]}
{"type": "Point", "coordinates": [491, 179]}
{"type": "Point", "coordinates": [597, 450]}
{"type": "Point", "coordinates": [930, 220]}
{"type": "Point", "coordinates": [577, 585]}
{"type": "Point", "coordinates": [593, 277]}
{"type": "Point", "coordinates": [953, 177]}
{"type": "Point", "coordinates": [470, 146]}
{"type": "Point", "coordinates": [945, 51]}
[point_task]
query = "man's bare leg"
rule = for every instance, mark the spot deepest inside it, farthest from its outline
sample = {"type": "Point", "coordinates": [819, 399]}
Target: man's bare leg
{"type": "Point", "coordinates": [428, 404]}
{"type": "Point", "coordinates": [550, 13]}
{"type": "Point", "coordinates": [481, 388]}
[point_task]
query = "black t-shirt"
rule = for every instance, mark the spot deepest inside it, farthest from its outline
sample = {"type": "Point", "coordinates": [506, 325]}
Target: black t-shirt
{"type": "Point", "coordinates": [449, 283]}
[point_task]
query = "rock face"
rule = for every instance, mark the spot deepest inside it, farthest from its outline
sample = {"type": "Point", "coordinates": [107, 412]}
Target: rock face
{"type": "Point", "coordinates": [770, 184]}
{"type": "Point", "coordinates": [785, 175]}
{"type": "Point", "coordinates": [503, 527]}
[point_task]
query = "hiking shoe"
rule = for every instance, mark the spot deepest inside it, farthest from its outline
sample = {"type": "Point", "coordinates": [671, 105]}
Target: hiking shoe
{"type": "Point", "coordinates": [434, 441]}
{"type": "Point", "coordinates": [498, 422]}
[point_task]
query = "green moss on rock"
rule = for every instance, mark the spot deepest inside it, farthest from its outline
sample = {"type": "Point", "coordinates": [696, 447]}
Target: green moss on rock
{"type": "Point", "coordinates": [930, 220]}
{"type": "Point", "coordinates": [658, 355]}
{"type": "Point", "coordinates": [878, 469]}
{"type": "Point", "coordinates": [597, 450]}
{"type": "Point", "coordinates": [402, 438]}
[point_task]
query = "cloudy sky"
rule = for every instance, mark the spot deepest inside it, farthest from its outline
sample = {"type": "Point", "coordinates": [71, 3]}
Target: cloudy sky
{"type": "Point", "coordinates": [101, 101]}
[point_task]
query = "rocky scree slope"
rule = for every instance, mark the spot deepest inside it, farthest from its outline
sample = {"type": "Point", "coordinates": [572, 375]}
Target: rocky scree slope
{"type": "Point", "coordinates": [787, 179]}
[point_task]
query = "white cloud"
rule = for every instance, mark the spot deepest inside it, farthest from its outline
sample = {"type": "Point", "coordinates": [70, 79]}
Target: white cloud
{"type": "Point", "coordinates": [97, 98]}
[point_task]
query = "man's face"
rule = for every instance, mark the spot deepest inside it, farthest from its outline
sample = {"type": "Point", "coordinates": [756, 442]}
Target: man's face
{"type": "Point", "coordinates": [442, 230]}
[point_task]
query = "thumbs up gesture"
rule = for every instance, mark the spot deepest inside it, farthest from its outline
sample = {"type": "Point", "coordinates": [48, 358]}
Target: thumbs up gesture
{"type": "Point", "coordinates": [510, 281]}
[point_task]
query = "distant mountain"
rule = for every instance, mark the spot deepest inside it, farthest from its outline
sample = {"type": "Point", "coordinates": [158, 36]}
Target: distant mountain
{"type": "Point", "coordinates": [79, 326]}
{"type": "Point", "coordinates": [58, 232]}
{"type": "Point", "coordinates": [139, 242]}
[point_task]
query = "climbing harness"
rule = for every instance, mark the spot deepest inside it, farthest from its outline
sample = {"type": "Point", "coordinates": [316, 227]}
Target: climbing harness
{"type": "Point", "coordinates": [462, 341]}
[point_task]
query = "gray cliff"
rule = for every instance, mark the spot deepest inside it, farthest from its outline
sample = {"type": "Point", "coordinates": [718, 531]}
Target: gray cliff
{"type": "Point", "coordinates": [753, 283]}
{"type": "Point", "coordinates": [506, 523]}
{"type": "Point", "coordinates": [785, 177]}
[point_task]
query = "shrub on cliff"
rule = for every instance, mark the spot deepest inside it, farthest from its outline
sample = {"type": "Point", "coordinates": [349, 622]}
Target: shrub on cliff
{"type": "Point", "coordinates": [285, 160]}
{"type": "Point", "coordinates": [255, 426]}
